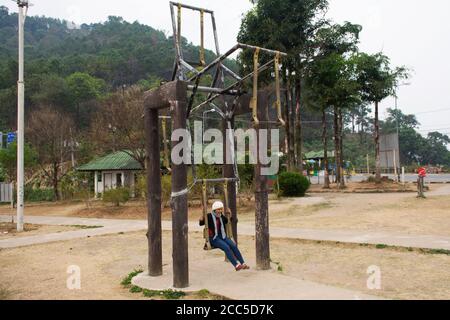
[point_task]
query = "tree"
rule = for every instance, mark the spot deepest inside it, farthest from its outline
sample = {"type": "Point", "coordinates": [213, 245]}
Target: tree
{"type": "Point", "coordinates": [49, 131]}
{"type": "Point", "coordinates": [119, 124]}
{"type": "Point", "coordinates": [331, 81]}
{"type": "Point", "coordinates": [377, 81]}
{"type": "Point", "coordinates": [83, 88]}
{"type": "Point", "coordinates": [8, 160]}
{"type": "Point", "coordinates": [288, 26]}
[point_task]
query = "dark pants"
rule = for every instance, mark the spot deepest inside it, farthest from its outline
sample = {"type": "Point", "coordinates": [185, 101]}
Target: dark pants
{"type": "Point", "coordinates": [229, 247]}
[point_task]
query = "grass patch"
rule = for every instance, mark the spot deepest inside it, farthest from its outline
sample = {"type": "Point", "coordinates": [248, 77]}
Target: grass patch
{"type": "Point", "coordinates": [204, 293]}
{"type": "Point", "coordinates": [166, 294]}
{"type": "Point", "coordinates": [127, 280]}
{"type": "Point", "coordinates": [436, 251]}
{"type": "Point", "coordinates": [279, 265]}
{"type": "Point", "coordinates": [381, 246]}
{"type": "Point", "coordinates": [79, 226]}
{"type": "Point", "coordinates": [135, 289]}
{"type": "Point", "coordinates": [5, 294]}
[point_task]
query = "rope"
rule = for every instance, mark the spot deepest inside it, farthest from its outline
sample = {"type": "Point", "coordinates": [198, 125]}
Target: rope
{"type": "Point", "coordinates": [228, 226]}
{"type": "Point", "coordinates": [205, 216]}
{"type": "Point", "coordinates": [202, 38]}
{"type": "Point", "coordinates": [277, 89]}
{"type": "Point", "coordinates": [179, 24]}
{"type": "Point", "coordinates": [166, 150]}
{"type": "Point", "coordinates": [254, 102]}
{"type": "Point", "coordinates": [179, 193]}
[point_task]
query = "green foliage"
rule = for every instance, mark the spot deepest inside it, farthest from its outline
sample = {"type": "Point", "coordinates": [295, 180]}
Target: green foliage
{"type": "Point", "coordinates": [67, 66]}
{"type": "Point", "coordinates": [8, 159]}
{"type": "Point", "coordinates": [246, 172]}
{"type": "Point", "coordinates": [166, 189]}
{"type": "Point", "coordinates": [37, 195]}
{"type": "Point", "coordinates": [166, 294]}
{"type": "Point", "coordinates": [375, 76]}
{"type": "Point", "coordinates": [287, 26]}
{"type": "Point", "coordinates": [135, 289]}
{"type": "Point", "coordinates": [116, 196]}
{"type": "Point", "coordinates": [84, 227]}
{"type": "Point", "coordinates": [127, 280]}
{"type": "Point", "coordinates": [2, 174]}
{"type": "Point", "coordinates": [76, 185]}
{"type": "Point", "coordinates": [293, 184]}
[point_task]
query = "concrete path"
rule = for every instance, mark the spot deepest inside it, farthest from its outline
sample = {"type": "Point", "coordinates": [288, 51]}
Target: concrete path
{"type": "Point", "coordinates": [243, 285]}
{"type": "Point", "coordinates": [110, 226]}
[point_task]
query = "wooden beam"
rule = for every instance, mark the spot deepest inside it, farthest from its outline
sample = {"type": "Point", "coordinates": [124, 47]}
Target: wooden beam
{"type": "Point", "coordinates": [160, 98]}
{"type": "Point", "coordinates": [154, 192]}
{"type": "Point", "coordinates": [261, 192]}
{"type": "Point", "coordinates": [179, 202]}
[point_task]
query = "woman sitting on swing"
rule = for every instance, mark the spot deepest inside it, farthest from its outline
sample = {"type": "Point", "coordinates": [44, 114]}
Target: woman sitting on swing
{"type": "Point", "coordinates": [218, 237]}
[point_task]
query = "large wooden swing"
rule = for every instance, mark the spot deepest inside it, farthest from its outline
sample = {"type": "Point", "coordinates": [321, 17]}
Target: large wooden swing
{"type": "Point", "coordinates": [174, 96]}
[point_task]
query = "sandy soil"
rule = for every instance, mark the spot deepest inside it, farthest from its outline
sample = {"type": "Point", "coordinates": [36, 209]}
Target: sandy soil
{"type": "Point", "coordinates": [9, 230]}
{"type": "Point", "coordinates": [379, 212]}
{"type": "Point", "coordinates": [369, 187]}
{"type": "Point", "coordinates": [105, 260]}
{"type": "Point", "coordinates": [391, 212]}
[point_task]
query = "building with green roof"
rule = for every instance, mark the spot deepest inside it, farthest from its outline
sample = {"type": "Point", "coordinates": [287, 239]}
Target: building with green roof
{"type": "Point", "coordinates": [113, 171]}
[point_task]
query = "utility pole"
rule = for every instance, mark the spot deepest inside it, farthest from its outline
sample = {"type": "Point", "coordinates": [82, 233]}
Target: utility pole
{"type": "Point", "coordinates": [23, 8]}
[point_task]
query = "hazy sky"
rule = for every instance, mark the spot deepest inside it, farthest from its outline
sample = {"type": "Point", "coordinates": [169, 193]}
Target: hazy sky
{"type": "Point", "coordinates": [410, 32]}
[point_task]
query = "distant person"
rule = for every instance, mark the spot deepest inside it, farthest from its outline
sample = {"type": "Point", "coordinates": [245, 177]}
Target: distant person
{"type": "Point", "coordinates": [218, 237]}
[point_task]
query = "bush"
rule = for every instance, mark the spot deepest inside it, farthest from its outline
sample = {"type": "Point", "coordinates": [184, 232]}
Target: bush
{"type": "Point", "coordinates": [37, 195]}
{"type": "Point", "coordinates": [293, 184]}
{"type": "Point", "coordinates": [116, 196]}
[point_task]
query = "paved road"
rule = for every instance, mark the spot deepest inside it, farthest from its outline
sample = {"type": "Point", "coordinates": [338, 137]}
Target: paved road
{"type": "Point", "coordinates": [431, 178]}
{"type": "Point", "coordinates": [110, 226]}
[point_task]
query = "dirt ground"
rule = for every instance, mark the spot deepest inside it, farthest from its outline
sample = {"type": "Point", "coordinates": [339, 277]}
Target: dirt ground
{"type": "Point", "coordinates": [378, 212]}
{"type": "Point", "coordinates": [9, 230]}
{"type": "Point", "coordinates": [106, 260]}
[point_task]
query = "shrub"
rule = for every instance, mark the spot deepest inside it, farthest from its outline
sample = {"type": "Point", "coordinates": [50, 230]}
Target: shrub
{"type": "Point", "coordinates": [37, 195]}
{"type": "Point", "coordinates": [293, 184]}
{"type": "Point", "coordinates": [116, 196]}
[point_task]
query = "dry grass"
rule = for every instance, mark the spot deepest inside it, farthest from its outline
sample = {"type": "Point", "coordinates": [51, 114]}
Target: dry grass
{"type": "Point", "coordinates": [5, 294]}
{"type": "Point", "coordinates": [105, 260]}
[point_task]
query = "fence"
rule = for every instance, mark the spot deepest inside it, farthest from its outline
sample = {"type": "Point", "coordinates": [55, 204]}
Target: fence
{"type": "Point", "coordinates": [6, 192]}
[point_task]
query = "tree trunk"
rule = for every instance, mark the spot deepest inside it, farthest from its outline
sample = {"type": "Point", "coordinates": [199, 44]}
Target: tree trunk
{"type": "Point", "coordinates": [337, 146]}
{"type": "Point", "coordinates": [325, 149]}
{"type": "Point", "coordinates": [55, 181]}
{"type": "Point", "coordinates": [377, 146]}
{"type": "Point", "coordinates": [289, 129]}
{"type": "Point", "coordinates": [298, 126]}
{"type": "Point", "coordinates": [341, 149]}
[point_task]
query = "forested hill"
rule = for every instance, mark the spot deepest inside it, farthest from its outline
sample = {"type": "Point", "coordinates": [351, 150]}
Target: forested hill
{"type": "Point", "coordinates": [116, 51]}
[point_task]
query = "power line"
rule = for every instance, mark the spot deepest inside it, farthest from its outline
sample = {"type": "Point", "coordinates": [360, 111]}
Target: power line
{"type": "Point", "coordinates": [433, 111]}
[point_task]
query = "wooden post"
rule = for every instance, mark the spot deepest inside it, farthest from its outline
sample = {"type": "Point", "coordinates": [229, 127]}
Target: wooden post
{"type": "Point", "coordinates": [179, 202]}
{"type": "Point", "coordinates": [154, 192]}
{"type": "Point", "coordinates": [261, 193]}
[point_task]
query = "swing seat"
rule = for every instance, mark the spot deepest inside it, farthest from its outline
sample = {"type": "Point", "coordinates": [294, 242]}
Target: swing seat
{"type": "Point", "coordinates": [208, 248]}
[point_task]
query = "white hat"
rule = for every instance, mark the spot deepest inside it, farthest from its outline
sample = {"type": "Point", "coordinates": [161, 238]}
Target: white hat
{"type": "Point", "coordinates": [217, 205]}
